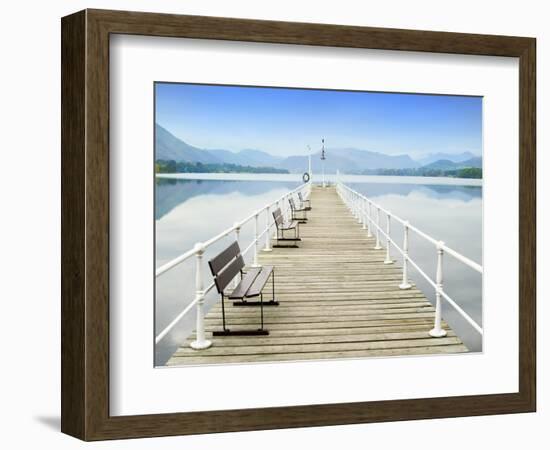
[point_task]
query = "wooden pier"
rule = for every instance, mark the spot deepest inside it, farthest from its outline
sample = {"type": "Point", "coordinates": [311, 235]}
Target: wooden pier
{"type": "Point", "coordinates": [337, 300]}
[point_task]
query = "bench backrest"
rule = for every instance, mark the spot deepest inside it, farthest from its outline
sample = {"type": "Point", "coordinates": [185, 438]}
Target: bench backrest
{"type": "Point", "coordinates": [278, 217]}
{"type": "Point", "coordinates": [226, 265]}
{"type": "Point", "coordinates": [292, 205]}
{"type": "Point", "coordinates": [300, 196]}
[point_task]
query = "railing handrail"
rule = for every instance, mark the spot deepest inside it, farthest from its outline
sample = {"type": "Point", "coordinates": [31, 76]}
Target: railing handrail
{"type": "Point", "coordinates": [198, 251]}
{"type": "Point", "coordinates": [464, 259]}
{"type": "Point", "coordinates": [440, 246]}
{"type": "Point", "coordinates": [184, 256]}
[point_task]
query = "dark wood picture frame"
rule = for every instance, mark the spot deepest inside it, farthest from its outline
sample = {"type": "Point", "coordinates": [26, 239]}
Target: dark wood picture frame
{"type": "Point", "coordinates": [85, 224]}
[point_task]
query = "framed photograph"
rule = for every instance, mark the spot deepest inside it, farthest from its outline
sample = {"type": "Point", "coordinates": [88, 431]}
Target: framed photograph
{"type": "Point", "coordinates": [273, 225]}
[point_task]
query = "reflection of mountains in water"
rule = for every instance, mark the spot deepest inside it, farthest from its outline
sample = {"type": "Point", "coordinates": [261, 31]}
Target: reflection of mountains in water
{"type": "Point", "coordinates": [436, 191]}
{"type": "Point", "coordinates": [170, 193]}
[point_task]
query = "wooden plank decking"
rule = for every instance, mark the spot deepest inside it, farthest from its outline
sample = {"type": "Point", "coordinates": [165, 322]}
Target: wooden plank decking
{"type": "Point", "coordinates": [337, 299]}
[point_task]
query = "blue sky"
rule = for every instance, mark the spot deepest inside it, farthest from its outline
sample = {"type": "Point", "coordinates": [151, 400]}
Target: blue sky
{"type": "Point", "coordinates": [285, 121]}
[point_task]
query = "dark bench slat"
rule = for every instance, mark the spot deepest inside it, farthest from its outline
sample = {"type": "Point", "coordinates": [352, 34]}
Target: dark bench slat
{"type": "Point", "coordinates": [247, 280]}
{"type": "Point", "coordinates": [260, 281]}
{"type": "Point", "coordinates": [225, 276]}
{"type": "Point", "coordinates": [220, 261]}
{"type": "Point", "coordinates": [279, 221]}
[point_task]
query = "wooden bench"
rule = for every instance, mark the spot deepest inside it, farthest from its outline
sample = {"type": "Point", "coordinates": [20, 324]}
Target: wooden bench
{"type": "Point", "coordinates": [304, 202]}
{"type": "Point", "coordinates": [302, 218]}
{"type": "Point", "coordinates": [282, 227]}
{"type": "Point", "coordinates": [225, 267]}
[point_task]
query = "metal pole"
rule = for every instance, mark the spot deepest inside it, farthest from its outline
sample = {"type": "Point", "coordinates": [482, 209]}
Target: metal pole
{"type": "Point", "coordinates": [405, 283]}
{"type": "Point", "coordinates": [388, 259]}
{"type": "Point", "coordinates": [323, 160]}
{"type": "Point", "coordinates": [268, 226]}
{"type": "Point", "coordinates": [377, 246]}
{"type": "Point", "coordinates": [364, 212]}
{"type": "Point", "coordinates": [237, 226]}
{"type": "Point", "coordinates": [369, 232]}
{"type": "Point", "coordinates": [437, 331]}
{"type": "Point", "coordinates": [200, 342]}
{"type": "Point", "coordinates": [256, 242]}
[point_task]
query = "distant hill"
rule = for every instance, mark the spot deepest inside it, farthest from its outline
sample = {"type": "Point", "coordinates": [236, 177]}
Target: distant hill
{"type": "Point", "coordinates": [247, 157]}
{"type": "Point", "coordinates": [169, 147]}
{"type": "Point", "coordinates": [348, 160]}
{"type": "Point", "coordinates": [453, 157]}
{"type": "Point", "coordinates": [258, 158]}
{"type": "Point", "coordinates": [445, 164]}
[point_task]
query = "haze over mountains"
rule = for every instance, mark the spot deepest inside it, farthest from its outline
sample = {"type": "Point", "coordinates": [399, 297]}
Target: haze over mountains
{"type": "Point", "coordinates": [169, 147]}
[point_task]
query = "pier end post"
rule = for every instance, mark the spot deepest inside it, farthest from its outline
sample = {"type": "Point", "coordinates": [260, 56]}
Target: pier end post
{"type": "Point", "coordinates": [388, 259]}
{"type": "Point", "coordinates": [200, 343]}
{"type": "Point", "coordinates": [437, 331]}
{"type": "Point", "coordinates": [369, 219]}
{"type": "Point", "coordinates": [237, 226]}
{"type": "Point", "coordinates": [267, 247]}
{"type": "Point", "coordinates": [405, 283]}
{"type": "Point", "coordinates": [377, 246]}
{"type": "Point", "coordinates": [256, 242]}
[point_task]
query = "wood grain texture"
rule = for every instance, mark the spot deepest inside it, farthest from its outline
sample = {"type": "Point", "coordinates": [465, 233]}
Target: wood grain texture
{"type": "Point", "coordinates": [85, 224]}
{"type": "Point", "coordinates": [73, 226]}
{"type": "Point", "coordinates": [314, 284]}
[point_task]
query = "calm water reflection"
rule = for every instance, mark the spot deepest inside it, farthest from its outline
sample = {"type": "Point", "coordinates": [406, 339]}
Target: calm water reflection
{"type": "Point", "coordinates": [188, 211]}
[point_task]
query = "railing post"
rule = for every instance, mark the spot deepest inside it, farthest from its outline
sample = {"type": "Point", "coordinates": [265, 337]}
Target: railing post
{"type": "Point", "coordinates": [437, 331]}
{"type": "Point", "coordinates": [364, 212]}
{"type": "Point", "coordinates": [377, 246]}
{"type": "Point", "coordinates": [237, 227]}
{"type": "Point", "coordinates": [369, 227]}
{"type": "Point", "coordinates": [267, 226]}
{"type": "Point", "coordinates": [256, 242]}
{"type": "Point", "coordinates": [388, 259]}
{"type": "Point", "coordinates": [200, 342]}
{"type": "Point", "coordinates": [405, 283]}
{"type": "Point", "coordinates": [359, 209]}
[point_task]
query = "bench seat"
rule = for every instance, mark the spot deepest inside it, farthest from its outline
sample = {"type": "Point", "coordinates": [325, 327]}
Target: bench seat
{"type": "Point", "coordinates": [225, 267]}
{"type": "Point", "coordinates": [247, 280]}
{"type": "Point", "coordinates": [290, 226]}
{"type": "Point", "coordinates": [260, 281]}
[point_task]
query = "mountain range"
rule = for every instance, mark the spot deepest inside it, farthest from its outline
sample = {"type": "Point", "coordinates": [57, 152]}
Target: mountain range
{"type": "Point", "coordinates": [169, 147]}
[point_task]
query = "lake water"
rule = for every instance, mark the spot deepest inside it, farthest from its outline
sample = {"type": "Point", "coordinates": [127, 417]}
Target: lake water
{"type": "Point", "coordinates": [192, 208]}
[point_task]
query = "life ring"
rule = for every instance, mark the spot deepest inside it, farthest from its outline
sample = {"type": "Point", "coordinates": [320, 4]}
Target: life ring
{"type": "Point", "coordinates": [305, 177]}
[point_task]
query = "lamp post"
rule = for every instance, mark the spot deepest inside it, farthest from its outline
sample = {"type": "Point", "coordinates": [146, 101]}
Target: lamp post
{"type": "Point", "coordinates": [323, 157]}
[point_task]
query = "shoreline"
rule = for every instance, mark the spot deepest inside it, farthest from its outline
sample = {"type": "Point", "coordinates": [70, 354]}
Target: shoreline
{"type": "Point", "coordinates": [294, 177]}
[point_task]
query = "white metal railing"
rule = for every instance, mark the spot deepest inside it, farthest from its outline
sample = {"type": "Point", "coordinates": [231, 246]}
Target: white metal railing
{"type": "Point", "coordinates": [200, 247]}
{"type": "Point", "coordinates": [362, 208]}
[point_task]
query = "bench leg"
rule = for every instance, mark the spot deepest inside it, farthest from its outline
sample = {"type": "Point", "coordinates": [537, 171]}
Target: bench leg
{"type": "Point", "coordinates": [261, 310]}
{"type": "Point", "coordinates": [255, 303]}
{"type": "Point", "coordinates": [228, 332]}
{"type": "Point", "coordinates": [282, 238]}
{"type": "Point", "coordinates": [223, 312]}
{"type": "Point", "coordinates": [260, 332]}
